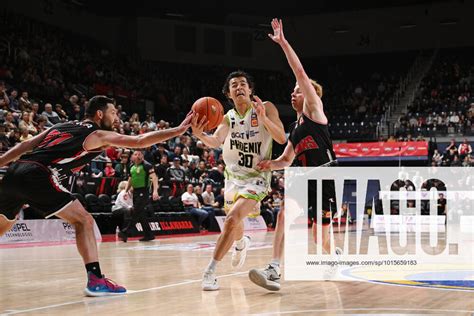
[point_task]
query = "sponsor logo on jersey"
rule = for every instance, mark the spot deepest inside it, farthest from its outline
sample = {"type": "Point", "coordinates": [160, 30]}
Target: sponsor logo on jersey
{"type": "Point", "coordinates": [252, 192]}
{"type": "Point", "coordinates": [244, 135]}
{"type": "Point", "coordinates": [246, 147]}
{"type": "Point", "coordinates": [306, 143]}
{"type": "Point", "coordinates": [254, 120]}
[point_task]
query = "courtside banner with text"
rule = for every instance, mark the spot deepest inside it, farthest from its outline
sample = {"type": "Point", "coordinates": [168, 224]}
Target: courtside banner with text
{"type": "Point", "coordinates": [42, 230]}
{"type": "Point", "coordinates": [421, 222]}
{"type": "Point", "coordinates": [381, 149]}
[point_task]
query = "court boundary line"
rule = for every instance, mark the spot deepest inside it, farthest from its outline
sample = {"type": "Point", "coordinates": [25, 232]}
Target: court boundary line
{"type": "Point", "coordinates": [86, 300]}
{"type": "Point", "coordinates": [364, 309]}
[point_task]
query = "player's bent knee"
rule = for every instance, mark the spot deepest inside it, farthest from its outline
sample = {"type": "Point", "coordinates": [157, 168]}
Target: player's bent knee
{"type": "Point", "coordinates": [86, 220]}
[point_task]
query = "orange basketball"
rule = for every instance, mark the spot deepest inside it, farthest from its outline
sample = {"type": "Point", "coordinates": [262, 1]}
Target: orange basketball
{"type": "Point", "coordinates": [212, 109]}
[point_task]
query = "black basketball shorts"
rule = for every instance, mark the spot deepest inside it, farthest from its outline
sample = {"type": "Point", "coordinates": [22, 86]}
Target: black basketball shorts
{"type": "Point", "coordinates": [29, 182]}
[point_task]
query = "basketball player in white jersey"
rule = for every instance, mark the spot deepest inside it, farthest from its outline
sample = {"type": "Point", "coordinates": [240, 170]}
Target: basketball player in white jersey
{"type": "Point", "coordinates": [246, 134]}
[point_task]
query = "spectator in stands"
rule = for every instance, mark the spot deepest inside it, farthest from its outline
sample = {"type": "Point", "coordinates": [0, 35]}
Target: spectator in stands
{"type": "Point", "coordinates": [4, 141]}
{"type": "Point", "coordinates": [14, 104]}
{"type": "Point", "coordinates": [465, 149]}
{"type": "Point", "coordinates": [76, 114]}
{"type": "Point", "coordinates": [121, 168]}
{"type": "Point", "coordinates": [60, 112]}
{"type": "Point", "coordinates": [220, 200]}
{"type": "Point", "coordinates": [208, 198]}
{"type": "Point", "coordinates": [140, 173]}
{"type": "Point", "coordinates": [34, 115]}
{"type": "Point", "coordinates": [4, 100]}
{"type": "Point", "coordinates": [176, 153]}
{"type": "Point", "coordinates": [25, 135]}
{"type": "Point", "coordinates": [52, 116]}
{"type": "Point", "coordinates": [437, 158]}
{"type": "Point", "coordinates": [14, 136]}
{"type": "Point", "coordinates": [187, 156]}
{"type": "Point", "coordinates": [191, 205]}
{"type": "Point", "coordinates": [452, 145]}
{"type": "Point", "coordinates": [134, 118]}
{"type": "Point", "coordinates": [109, 170]}
{"type": "Point", "coordinates": [41, 127]}
{"type": "Point", "coordinates": [123, 207]}
{"type": "Point", "coordinates": [9, 121]}
{"type": "Point", "coordinates": [201, 169]}
{"type": "Point", "coordinates": [198, 192]}
{"type": "Point", "coordinates": [199, 150]}
{"type": "Point", "coordinates": [217, 175]}
{"type": "Point", "coordinates": [190, 174]}
{"type": "Point", "coordinates": [267, 212]}
{"type": "Point", "coordinates": [25, 123]}
{"type": "Point", "coordinates": [24, 102]}
{"type": "Point", "coordinates": [176, 176]}
{"type": "Point", "coordinates": [150, 121]}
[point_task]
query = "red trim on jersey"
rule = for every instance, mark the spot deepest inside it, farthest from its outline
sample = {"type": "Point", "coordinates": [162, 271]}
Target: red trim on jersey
{"type": "Point", "coordinates": [306, 143]}
{"type": "Point", "coordinates": [54, 138]}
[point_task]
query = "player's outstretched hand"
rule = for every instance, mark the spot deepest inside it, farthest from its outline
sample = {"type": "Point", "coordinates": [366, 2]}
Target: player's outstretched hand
{"type": "Point", "coordinates": [198, 125]}
{"type": "Point", "coordinates": [259, 108]}
{"type": "Point", "coordinates": [277, 36]}
{"type": "Point", "coordinates": [186, 123]}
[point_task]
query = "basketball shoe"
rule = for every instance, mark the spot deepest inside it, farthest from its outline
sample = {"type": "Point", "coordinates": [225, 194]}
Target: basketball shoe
{"type": "Point", "coordinates": [102, 286]}
{"type": "Point", "coordinates": [239, 255]}
{"type": "Point", "coordinates": [209, 281]}
{"type": "Point", "coordinates": [268, 278]}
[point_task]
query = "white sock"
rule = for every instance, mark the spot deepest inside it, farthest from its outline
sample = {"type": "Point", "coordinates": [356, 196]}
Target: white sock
{"type": "Point", "coordinates": [275, 262]}
{"type": "Point", "coordinates": [240, 244]}
{"type": "Point", "coordinates": [212, 265]}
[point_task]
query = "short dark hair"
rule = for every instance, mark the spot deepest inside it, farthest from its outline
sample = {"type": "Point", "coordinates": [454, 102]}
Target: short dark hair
{"type": "Point", "coordinates": [99, 102]}
{"type": "Point", "coordinates": [235, 74]}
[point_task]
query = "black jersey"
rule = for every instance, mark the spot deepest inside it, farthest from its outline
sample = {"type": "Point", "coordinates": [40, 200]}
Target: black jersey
{"type": "Point", "coordinates": [62, 147]}
{"type": "Point", "coordinates": [311, 143]}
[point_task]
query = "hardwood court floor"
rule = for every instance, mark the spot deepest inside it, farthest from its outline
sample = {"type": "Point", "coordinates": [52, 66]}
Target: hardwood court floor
{"type": "Point", "coordinates": [164, 277]}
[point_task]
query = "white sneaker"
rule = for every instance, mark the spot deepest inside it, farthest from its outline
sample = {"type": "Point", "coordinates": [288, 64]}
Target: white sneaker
{"type": "Point", "coordinates": [239, 255]}
{"type": "Point", "coordinates": [209, 281]}
{"type": "Point", "coordinates": [331, 271]}
{"type": "Point", "coordinates": [268, 278]}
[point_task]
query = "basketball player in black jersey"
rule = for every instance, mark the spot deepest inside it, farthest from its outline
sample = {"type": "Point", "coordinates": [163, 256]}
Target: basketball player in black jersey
{"type": "Point", "coordinates": [311, 145]}
{"type": "Point", "coordinates": [42, 162]}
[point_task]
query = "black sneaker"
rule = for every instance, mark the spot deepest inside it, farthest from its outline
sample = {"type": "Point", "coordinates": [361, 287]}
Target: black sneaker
{"type": "Point", "coordinates": [147, 238]}
{"type": "Point", "coordinates": [123, 236]}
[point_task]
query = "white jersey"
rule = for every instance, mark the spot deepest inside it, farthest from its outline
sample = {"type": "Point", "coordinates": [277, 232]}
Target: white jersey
{"type": "Point", "coordinates": [246, 144]}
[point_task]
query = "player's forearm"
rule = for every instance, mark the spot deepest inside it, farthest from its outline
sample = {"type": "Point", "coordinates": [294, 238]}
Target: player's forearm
{"type": "Point", "coordinates": [276, 130]}
{"type": "Point", "coordinates": [209, 140]}
{"type": "Point", "coordinates": [154, 181]}
{"type": "Point", "coordinates": [294, 62]}
{"type": "Point", "coordinates": [150, 139]}
{"type": "Point", "coordinates": [14, 153]}
{"type": "Point", "coordinates": [280, 163]}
